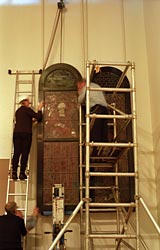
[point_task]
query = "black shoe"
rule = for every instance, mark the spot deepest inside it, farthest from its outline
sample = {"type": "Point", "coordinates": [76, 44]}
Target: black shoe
{"type": "Point", "coordinates": [14, 176]}
{"type": "Point", "coordinates": [22, 176]}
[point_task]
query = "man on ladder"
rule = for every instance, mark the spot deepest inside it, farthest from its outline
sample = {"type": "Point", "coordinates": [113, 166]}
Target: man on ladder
{"type": "Point", "coordinates": [22, 135]}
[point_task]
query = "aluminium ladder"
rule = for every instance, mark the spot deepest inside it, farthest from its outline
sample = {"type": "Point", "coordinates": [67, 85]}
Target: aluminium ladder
{"type": "Point", "coordinates": [18, 190]}
{"type": "Point", "coordinates": [122, 236]}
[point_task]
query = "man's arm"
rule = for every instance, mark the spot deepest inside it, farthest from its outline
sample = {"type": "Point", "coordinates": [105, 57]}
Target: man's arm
{"type": "Point", "coordinates": [82, 95]}
{"type": "Point", "coordinates": [32, 220]}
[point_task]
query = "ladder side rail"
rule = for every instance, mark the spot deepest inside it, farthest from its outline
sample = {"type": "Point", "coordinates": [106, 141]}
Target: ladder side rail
{"type": "Point", "coordinates": [8, 187]}
{"type": "Point", "coordinates": [28, 163]}
{"type": "Point", "coordinates": [87, 155]}
{"type": "Point", "coordinates": [135, 150]}
{"type": "Point", "coordinates": [116, 192]}
{"type": "Point", "coordinates": [33, 90]}
{"type": "Point", "coordinates": [17, 91]}
{"type": "Point", "coordinates": [80, 151]}
{"type": "Point", "coordinates": [26, 201]}
{"type": "Point", "coordinates": [81, 167]}
{"type": "Point", "coordinates": [11, 147]}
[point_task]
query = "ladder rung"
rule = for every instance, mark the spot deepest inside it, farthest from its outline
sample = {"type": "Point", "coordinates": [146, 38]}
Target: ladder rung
{"type": "Point", "coordinates": [113, 236]}
{"type": "Point", "coordinates": [24, 72]}
{"type": "Point", "coordinates": [101, 165]}
{"type": "Point", "coordinates": [24, 81]}
{"type": "Point", "coordinates": [132, 204]}
{"type": "Point", "coordinates": [17, 194]}
{"type": "Point", "coordinates": [111, 174]}
{"type": "Point", "coordinates": [99, 187]}
{"type": "Point", "coordinates": [17, 180]}
{"type": "Point", "coordinates": [113, 144]}
{"type": "Point", "coordinates": [22, 209]}
{"type": "Point", "coordinates": [24, 92]}
{"type": "Point", "coordinates": [101, 209]}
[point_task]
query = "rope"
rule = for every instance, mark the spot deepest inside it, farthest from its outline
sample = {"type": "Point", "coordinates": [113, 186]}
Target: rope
{"type": "Point", "coordinates": [61, 37]}
{"type": "Point", "coordinates": [52, 37]}
{"type": "Point", "coordinates": [85, 31]}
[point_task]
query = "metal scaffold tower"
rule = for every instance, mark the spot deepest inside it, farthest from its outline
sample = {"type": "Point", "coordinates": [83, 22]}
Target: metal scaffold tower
{"type": "Point", "coordinates": [109, 180]}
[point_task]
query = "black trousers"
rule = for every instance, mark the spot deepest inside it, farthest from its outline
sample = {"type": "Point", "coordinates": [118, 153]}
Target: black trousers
{"type": "Point", "coordinates": [99, 130]}
{"type": "Point", "coordinates": [22, 144]}
{"type": "Point", "coordinates": [98, 133]}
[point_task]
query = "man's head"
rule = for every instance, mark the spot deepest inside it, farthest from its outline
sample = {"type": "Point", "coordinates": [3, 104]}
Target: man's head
{"type": "Point", "coordinates": [24, 101]}
{"type": "Point", "coordinates": [81, 84]}
{"type": "Point", "coordinates": [11, 207]}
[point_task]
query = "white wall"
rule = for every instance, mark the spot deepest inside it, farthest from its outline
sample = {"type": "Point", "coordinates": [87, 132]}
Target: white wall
{"type": "Point", "coordinates": [152, 19]}
{"type": "Point", "coordinates": [118, 30]}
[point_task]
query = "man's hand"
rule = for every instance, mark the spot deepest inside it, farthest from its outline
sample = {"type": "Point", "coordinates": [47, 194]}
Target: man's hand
{"type": "Point", "coordinates": [40, 105]}
{"type": "Point", "coordinates": [19, 213]}
{"type": "Point", "coordinates": [35, 211]}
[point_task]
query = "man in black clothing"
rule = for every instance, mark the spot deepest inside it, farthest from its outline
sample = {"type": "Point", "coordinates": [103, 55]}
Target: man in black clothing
{"type": "Point", "coordinates": [22, 136]}
{"type": "Point", "coordinates": [11, 229]}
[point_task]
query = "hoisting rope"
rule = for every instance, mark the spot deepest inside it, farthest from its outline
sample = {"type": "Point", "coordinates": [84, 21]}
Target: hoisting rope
{"type": "Point", "coordinates": [85, 32]}
{"type": "Point", "coordinates": [61, 6]}
{"type": "Point", "coordinates": [61, 36]}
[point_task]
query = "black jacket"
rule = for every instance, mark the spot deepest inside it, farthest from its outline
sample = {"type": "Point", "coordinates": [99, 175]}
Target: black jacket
{"type": "Point", "coordinates": [24, 116]}
{"type": "Point", "coordinates": [11, 229]}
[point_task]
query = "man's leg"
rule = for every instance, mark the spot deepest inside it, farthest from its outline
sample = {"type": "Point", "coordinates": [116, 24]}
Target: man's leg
{"type": "Point", "coordinates": [27, 140]}
{"type": "Point", "coordinates": [98, 133]}
{"type": "Point", "coordinates": [17, 142]}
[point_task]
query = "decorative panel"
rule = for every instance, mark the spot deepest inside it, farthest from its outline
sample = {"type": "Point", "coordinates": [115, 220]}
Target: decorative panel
{"type": "Point", "coordinates": [61, 116]}
{"type": "Point", "coordinates": [60, 165]}
{"type": "Point", "coordinates": [58, 136]}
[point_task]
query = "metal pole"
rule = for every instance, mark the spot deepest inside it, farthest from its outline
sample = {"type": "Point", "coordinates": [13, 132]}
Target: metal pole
{"type": "Point", "coordinates": [112, 64]}
{"type": "Point", "coordinates": [150, 215]}
{"type": "Point", "coordinates": [125, 116]}
{"type": "Point", "coordinates": [81, 167]}
{"type": "Point", "coordinates": [87, 173]}
{"type": "Point", "coordinates": [117, 204]}
{"type": "Point", "coordinates": [115, 144]}
{"type": "Point", "coordinates": [112, 174]}
{"type": "Point", "coordinates": [66, 225]}
{"type": "Point", "coordinates": [80, 151]}
{"type": "Point", "coordinates": [113, 236]}
{"type": "Point", "coordinates": [112, 89]}
{"type": "Point", "coordinates": [135, 150]}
